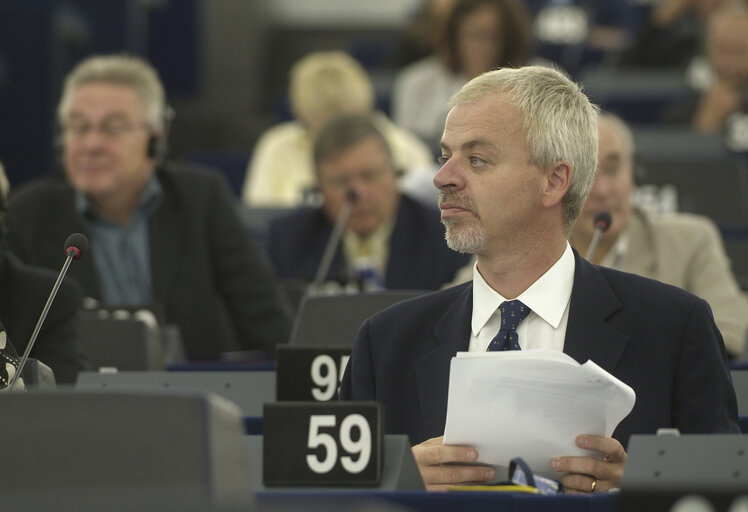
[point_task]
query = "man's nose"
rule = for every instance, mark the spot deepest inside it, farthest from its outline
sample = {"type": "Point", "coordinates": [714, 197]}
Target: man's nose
{"type": "Point", "coordinates": [448, 177]}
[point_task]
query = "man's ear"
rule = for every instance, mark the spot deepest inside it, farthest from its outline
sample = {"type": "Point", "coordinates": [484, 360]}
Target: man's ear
{"type": "Point", "coordinates": [558, 181]}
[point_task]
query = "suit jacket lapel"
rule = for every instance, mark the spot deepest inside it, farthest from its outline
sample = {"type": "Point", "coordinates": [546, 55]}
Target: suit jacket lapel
{"type": "Point", "coordinates": [402, 247]}
{"type": "Point", "coordinates": [168, 239]}
{"type": "Point", "coordinates": [451, 334]}
{"type": "Point", "coordinates": [83, 270]}
{"type": "Point", "coordinates": [588, 335]}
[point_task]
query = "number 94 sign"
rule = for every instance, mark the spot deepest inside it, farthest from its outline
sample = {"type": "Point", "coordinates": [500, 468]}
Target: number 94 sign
{"type": "Point", "coordinates": [330, 444]}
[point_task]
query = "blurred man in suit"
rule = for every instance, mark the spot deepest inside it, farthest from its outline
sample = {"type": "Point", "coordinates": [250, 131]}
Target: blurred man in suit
{"type": "Point", "coordinates": [23, 292]}
{"type": "Point", "coordinates": [158, 233]}
{"type": "Point", "coordinates": [390, 240]}
{"type": "Point", "coordinates": [679, 249]}
{"type": "Point", "coordinates": [519, 152]}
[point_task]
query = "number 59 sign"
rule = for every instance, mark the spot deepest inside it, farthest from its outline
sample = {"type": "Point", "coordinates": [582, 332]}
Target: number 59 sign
{"type": "Point", "coordinates": [332, 444]}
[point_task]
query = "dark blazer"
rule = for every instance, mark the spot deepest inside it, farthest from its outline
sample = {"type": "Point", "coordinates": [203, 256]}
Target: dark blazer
{"type": "Point", "coordinates": [23, 293]}
{"type": "Point", "coordinates": [419, 257]}
{"type": "Point", "coordinates": [658, 339]}
{"type": "Point", "coordinates": [211, 279]}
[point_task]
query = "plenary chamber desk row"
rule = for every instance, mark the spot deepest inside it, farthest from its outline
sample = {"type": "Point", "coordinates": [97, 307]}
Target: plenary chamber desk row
{"type": "Point", "coordinates": [153, 448]}
{"type": "Point", "coordinates": [171, 449]}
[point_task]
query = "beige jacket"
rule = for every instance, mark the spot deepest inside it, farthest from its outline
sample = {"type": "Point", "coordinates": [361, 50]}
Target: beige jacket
{"type": "Point", "coordinates": [686, 251]}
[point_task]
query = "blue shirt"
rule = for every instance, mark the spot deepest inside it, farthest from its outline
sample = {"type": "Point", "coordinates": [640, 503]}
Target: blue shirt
{"type": "Point", "coordinates": [121, 254]}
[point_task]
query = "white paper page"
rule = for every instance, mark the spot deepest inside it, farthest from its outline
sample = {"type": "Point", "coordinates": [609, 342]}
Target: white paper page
{"type": "Point", "coordinates": [530, 404]}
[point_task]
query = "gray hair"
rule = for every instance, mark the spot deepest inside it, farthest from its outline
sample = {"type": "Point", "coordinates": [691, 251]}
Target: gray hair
{"type": "Point", "coordinates": [126, 70]}
{"type": "Point", "coordinates": [560, 121]}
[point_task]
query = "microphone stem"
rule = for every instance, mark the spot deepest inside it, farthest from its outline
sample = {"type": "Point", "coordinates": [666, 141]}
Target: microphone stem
{"type": "Point", "coordinates": [331, 247]}
{"type": "Point", "coordinates": [593, 243]}
{"type": "Point", "coordinates": [39, 322]}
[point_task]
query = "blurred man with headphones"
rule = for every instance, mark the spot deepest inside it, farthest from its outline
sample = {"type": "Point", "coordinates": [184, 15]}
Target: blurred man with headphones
{"type": "Point", "coordinates": [158, 233]}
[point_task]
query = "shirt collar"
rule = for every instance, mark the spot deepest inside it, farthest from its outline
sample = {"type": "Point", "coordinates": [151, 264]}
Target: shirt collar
{"type": "Point", "coordinates": [547, 297]}
{"type": "Point", "coordinates": [375, 248]}
{"type": "Point", "coordinates": [149, 199]}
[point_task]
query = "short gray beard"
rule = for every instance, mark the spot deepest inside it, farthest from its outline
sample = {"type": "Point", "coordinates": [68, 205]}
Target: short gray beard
{"type": "Point", "coordinates": [466, 238]}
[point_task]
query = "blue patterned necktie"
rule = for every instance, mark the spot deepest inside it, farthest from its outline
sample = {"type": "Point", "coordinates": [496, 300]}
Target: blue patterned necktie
{"type": "Point", "coordinates": [512, 313]}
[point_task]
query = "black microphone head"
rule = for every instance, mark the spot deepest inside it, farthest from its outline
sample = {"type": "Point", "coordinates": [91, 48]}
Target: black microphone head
{"type": "Point", "coordinates": [351, 196]}
{"type": "Point", "coordinates": [603, 220]}
{"type": "Point", "coordinates": [76, 245]}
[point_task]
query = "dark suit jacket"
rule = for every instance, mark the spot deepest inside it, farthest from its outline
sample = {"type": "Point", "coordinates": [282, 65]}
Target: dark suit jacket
{"type": "Point", "coordinates": [658, 339]}
{"type": "Point", "coordinates": [23, 293]}
{"type": "Point", "coordinates": [419, 257]}
{"type": "Point", "coordinates": [207, 273]}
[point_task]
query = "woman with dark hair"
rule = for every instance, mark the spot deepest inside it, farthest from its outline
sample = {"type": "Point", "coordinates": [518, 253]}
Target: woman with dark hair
{"type": "Point", "coordinates": [477, 36]}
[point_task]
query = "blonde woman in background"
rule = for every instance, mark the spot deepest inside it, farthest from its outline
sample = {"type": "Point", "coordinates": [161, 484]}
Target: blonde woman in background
{"type": "Point", "coordinates": [323, 85]}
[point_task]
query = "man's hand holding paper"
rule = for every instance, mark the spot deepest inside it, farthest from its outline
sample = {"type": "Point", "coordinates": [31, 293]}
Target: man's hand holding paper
{"type": "Point", "coordinates": [535, 404]}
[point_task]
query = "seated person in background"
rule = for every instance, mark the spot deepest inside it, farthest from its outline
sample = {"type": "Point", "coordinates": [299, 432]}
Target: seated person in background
{"type": "Point", "coordinates": [580, 35]}
{"type": "Point", "coordinates": [671, 36]}
{"type": "Point", "coordinates": [418, 38]}
{"type": "Point", "coordinates": [23, 293]}
{"type": "Point", "coordinates": [727, 55]}
{"type": "Point", "coordinates": [680, 249]}
{"type": "Point", "coordinates": [158, 233]}
{"type": "Point", "coordinates": [519, 152]}
{"type": "Point", "coordinates": [477, 36]}
{"type": "Point", "coordinates": [395, 241]}
{"type": "Point", "coordinates": [322, 86]}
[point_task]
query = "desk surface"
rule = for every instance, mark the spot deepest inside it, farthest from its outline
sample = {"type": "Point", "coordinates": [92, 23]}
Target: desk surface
{"type": "Point", "coordinates": [434, 501]}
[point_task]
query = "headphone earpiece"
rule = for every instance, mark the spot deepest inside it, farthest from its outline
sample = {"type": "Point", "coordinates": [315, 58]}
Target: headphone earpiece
{"type": "Point", "coordinates": [157, 144]}
{"type": "Point", "coordinates": [156, 148]}
{"type": "Point", "coordinates": [152, 148]}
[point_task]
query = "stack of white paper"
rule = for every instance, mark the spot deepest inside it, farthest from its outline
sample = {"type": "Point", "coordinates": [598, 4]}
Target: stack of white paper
{"type": "Point", "coordinates": [530, 404]}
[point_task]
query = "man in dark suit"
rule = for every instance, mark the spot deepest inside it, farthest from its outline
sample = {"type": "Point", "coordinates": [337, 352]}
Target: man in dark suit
{"type": "Point", "coordinates": [389, 241]}
{"type": "Point", "coordinates": [158, 233]}
{"type": "Point", "coordinates": [519, 153]}
{"type": "Point", "coordinates": [23, 292]}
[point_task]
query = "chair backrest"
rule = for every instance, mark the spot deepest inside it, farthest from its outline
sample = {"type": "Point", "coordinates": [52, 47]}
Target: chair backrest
{"type": "Point", "coordinates": [90, 450]}
{"type": "Point", "coordinates": [125, 344]}
{"type": "Point", "coordinates": [664, 469]}
{"type": "Point", "coordinates": [640, 97]}
{"type": "Point", "coordinates": [740, 382]}
{"type": "Point", "coordinates": [248, 389]}
{"type": "Point", "coordinates": [333, 320]}
{"type": "Point", "coordinates": [715, 187]}
{"type": "Point", "coordinates": [38, 375]}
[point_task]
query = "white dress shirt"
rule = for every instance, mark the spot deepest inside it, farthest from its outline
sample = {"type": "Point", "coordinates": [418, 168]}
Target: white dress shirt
{"type": "Point", "coordinates": [548, 298]}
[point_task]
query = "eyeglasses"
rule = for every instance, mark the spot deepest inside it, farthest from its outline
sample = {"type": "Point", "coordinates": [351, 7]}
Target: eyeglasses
{"type": "Point", "coordinates": [111, 129]}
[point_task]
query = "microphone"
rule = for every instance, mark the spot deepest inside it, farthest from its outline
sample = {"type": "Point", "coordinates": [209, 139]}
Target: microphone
{"type": "Point", "coordinates": [602, 223]}
{"type": "Point", "coordinates": [351, 197]}
{"type": "Point", "coordinates": [75, 246]}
